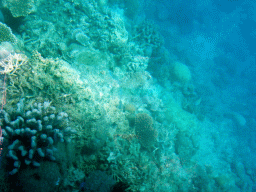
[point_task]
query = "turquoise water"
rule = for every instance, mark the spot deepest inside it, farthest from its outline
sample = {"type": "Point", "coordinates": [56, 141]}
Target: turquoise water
{"type": "Point", "coordinates": [115, 95]}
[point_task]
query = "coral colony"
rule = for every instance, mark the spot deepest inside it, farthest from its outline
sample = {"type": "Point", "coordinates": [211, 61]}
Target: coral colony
{"type": "Point", "coordinates": [32, 134]}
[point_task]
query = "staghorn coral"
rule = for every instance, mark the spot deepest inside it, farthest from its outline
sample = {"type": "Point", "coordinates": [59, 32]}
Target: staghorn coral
{"type": "Point", "coordinates": [20, 8]}
{"type": "Point", "coordinates": [31, 135]}
{"type": "Point", "coordinates": [144, 130]}
{"type": "Point", "coordinates": [6, 34]}
{"type": "Point", "coordinates": [12, 63]}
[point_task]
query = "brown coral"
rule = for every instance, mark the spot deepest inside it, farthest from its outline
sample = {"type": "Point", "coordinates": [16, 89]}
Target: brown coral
{"type": "Point", "coordinates": [144, 130]}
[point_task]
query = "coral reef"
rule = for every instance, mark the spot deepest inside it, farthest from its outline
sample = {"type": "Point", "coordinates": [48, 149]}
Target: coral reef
{"type": "Point", "coordinates": [85, 25]}
{"type": "Point", "coordinates": [146, 34]}
{"type": "Point", "coordinates": [144, 130]}
{"type": "Point", "coordinates": [6, 34]}
{"type": "Point", "coordinates": [50, 79]}
{"type": "Point", "coordinates": [12, 62]}
{"type": "Point", "coordinates": [31, 135]}
{"type": "Point", "coordinates": [20, 8]}
{"type": "Point", "coordinates": [94, 66]}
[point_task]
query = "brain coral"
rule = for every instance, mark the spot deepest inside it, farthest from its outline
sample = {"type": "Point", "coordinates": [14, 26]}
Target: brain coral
{"type": "Point", "coordinates": [144, 130]}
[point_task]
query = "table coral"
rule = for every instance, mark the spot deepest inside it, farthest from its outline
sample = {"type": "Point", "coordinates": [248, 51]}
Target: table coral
{"type": "Point", "coordinates": [20, 8]}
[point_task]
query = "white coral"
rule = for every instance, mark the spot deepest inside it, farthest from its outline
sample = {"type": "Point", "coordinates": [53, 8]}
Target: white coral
{"type": "Point", "coordinates": [11, 63]}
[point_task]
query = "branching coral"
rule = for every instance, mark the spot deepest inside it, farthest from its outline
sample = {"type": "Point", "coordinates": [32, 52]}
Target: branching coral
{"type": "Point", "coordinates": [12, 63]}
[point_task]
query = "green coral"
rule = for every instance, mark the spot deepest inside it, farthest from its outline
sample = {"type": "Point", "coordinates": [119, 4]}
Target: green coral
{"type": "Point", "coordinates": [6, 34]}
{"type": "Point", "coordinates": [20, 8]}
